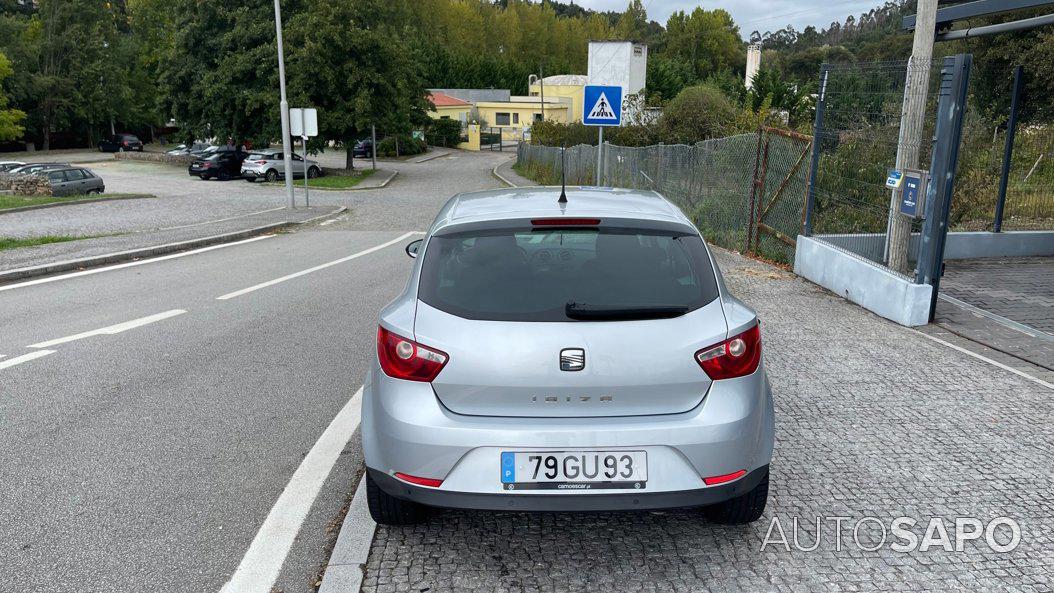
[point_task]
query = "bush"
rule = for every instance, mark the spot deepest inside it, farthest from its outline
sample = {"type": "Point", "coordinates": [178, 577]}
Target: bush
{"type": "Point", "coordinates": [552, 133]}
{"type": "Point", "coordinates": [697, 113]}
{"type": "Point", "coordinates": [407, 145]}
{"type": "Point", "coordinates": [443, 132]}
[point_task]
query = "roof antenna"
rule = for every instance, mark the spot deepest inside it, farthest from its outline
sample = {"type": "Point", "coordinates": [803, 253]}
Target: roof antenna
{"type": "Point", "coordinates": [563, 176]}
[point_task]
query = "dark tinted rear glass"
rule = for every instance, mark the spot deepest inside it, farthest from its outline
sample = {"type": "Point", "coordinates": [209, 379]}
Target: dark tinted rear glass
{"type": "Point", "coordinates": [531, 275]}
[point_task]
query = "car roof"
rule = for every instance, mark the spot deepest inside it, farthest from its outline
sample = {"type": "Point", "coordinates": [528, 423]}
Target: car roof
{"type": "Point", "coordinates": [522, 202]}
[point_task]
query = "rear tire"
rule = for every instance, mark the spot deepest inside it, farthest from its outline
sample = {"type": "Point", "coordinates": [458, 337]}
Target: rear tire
{"type": "Point", "coordinates": [389, 510]}
{"type": "Point", "coordinates": [204, 177]}
{"type": "Point", "coordinates": [742, 509]}
{"type": "Point", "coordinates": [271, 176]}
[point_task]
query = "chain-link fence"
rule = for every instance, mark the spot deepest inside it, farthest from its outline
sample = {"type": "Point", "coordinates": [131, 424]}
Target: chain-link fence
{"type": "Point", "coordinates": [858, 129]}
{"type": "Point", "coordinates": [1029, 167]}
{"type": "Point", "coordinates": [744, 192]}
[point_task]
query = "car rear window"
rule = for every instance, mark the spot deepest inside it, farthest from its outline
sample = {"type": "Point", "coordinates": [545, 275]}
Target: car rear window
{"type": "Point", "coordinates": [532, 275]}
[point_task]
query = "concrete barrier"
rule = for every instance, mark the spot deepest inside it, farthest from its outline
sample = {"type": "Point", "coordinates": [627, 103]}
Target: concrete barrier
{"type": "Point", "coordinates": [863, 282]}
{"type": "Point", "coordinates": [960, 244]}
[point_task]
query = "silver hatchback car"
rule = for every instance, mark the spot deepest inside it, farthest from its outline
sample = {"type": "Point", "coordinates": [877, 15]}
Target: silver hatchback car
{"type": "Point", "coordinates": [269, 165]}
{"type": "Point", "coordinates": [566, 356]}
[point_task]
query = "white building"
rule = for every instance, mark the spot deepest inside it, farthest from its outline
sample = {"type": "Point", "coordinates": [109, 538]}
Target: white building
{"type": "Point", "coordinates": [619, 63]}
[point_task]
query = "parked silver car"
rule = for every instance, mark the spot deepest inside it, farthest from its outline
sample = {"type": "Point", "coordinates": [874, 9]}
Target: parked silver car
{"type": "Point", "coordinates": [566, 356]}
{"type": "Point", "coordinates": [6, 166]}
{"type": "Point", "coordinates": [270, 165]}
{"type": "Point", "coordinates": [73, 181]}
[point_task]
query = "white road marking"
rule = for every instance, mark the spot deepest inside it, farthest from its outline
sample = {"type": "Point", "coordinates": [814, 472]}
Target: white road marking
{"type": "Point", "coordinates": [129, 264]}
{"type": "Point", "coordinates": [24, 358]}
{"type": "Point", "coordinates": [267, 553]}
{"type": "Point", "coordinates": [238, 293]}
{"type": "Point", "coordinates": [187, 226]}
{"type": "Point", "coordinates": [1017, 372]}
{"type": "Point", "coordinates": [111, 329]}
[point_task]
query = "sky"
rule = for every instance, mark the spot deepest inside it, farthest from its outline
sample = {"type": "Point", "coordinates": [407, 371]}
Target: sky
{"type": "Point", "coordinates": [750, 15]}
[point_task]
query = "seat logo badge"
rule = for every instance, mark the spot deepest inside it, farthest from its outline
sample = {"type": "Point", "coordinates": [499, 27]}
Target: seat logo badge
{"type": "Point", "coordinates": [572, 359]}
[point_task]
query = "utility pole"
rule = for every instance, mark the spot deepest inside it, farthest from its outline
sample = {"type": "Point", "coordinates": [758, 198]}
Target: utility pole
{"type": "Point", "coordinates": [912, 120]}
{"type": "Point", "coordinates": [541, 84]}
{"type": "Point", "coordinates": [287, 149]}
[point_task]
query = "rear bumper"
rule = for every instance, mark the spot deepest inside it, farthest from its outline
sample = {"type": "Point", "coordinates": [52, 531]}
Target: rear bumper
{"type": "Point", "coordinates": [406, 429]}
{"type": "Point", "coordinates": [629, 501]}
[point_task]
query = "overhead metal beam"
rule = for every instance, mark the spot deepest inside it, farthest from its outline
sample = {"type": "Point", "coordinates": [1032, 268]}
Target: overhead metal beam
{"type": "Point", "coordinates": [948, 15]}
{"type": "Point", "coordinates": [1032, 23]}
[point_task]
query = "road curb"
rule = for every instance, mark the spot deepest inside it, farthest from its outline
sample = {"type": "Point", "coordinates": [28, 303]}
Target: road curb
{"type": "Point", "coordinates": [75, 203]}
{"type": "Point", "coordinates": [382, 185]}
{"type": "Point", "coordinates": [495, 173]}
{"type": "Point", "coordinates": [432, 157]}
{"type": "Point", "coordinates": [346, 565]}
{"type": "Point", "coordinates": [144, 252]}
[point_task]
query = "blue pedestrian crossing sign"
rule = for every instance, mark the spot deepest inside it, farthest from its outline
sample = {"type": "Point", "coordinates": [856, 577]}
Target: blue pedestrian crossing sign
{"type": "Point", "coordinates": [602, 105]}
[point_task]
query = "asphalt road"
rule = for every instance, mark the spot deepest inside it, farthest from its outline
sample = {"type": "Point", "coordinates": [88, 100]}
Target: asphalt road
{"type": "Point", "coordinates": [145, 457]}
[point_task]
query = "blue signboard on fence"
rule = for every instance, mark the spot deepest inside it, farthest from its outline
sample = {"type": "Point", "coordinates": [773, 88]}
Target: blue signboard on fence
{"type": "Point", "coordinates": [602, 105]}
{"type": "Point", "coordinates": [911, 196]}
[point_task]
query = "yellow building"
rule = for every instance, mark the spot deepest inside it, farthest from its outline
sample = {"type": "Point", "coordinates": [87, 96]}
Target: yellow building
{"type": "Point", "coordinates": [568, 88]}
{"type": "Point", "coordinates": [447, 107]}
{"type": "Point", "coordinates": [519, 113]}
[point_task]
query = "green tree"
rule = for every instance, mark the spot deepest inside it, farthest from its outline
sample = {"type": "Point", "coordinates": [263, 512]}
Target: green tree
{"type": "Point", "coordinates": [218, 76]}
{"type": "Point", "coordinates": [10, 119]}
{"type": "Point", "coordinates": [697, 113]}
{"type": "Point", "coordinates": [709, 40]}
{"type": "Point", "coordinates": [347, 61]}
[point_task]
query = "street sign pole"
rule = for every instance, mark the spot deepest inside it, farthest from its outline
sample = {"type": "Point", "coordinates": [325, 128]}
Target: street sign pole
{"type": "Point", "coordinates": [601, 106]}
{"type": "Point", "coordinates": [373, 145]}
{"type": "Point", "coordinates": [284, 108]}
{"type": "Point", "coordinates": [600, 151]}
{"type": "Point", "coordinates": [307, 200]}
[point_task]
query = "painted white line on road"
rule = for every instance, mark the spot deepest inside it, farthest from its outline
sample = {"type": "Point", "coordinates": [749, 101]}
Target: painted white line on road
{"type": "Point", "coordinates": [267, 553]}
{"type": "Point", "coordinates": [187, 226]}
{"type": "Point", "coordinates": [24, 358]}
{"type": "Point", "coordinates": [111, 329]}
{"type": "Point", "coordinates": [140, 262]}
{"type": "Point", "coordinates": [1017, 372]}
{"type": "Point", "coordinates": [238, 293]}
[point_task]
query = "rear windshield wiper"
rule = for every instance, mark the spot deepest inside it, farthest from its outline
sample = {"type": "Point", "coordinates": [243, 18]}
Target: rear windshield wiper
{"type": "Point", "coordinates": [585, 311]}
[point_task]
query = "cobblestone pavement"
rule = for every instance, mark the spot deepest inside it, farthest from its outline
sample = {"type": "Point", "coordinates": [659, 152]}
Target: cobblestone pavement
{"type": "Point", "coordinates": [1020, 289]}
{"type": "Point", "coordinates": [873, 419]}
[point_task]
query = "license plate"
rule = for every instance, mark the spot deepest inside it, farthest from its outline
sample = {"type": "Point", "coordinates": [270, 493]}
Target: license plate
{"type": "Point", "coordinates": [574, 470]}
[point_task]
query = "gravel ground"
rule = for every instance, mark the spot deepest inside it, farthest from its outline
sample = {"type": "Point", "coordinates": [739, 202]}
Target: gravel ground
{"type": "Point", "coordinates": [187, 208]}
{"type": "Point", "coordinates": [873, 420]}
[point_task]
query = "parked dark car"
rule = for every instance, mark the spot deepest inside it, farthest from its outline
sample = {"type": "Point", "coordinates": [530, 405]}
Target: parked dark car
{"type": "Point", "coordinates": [73, 181]}
{"type": "Point", "coordinates": [222, 165]}
{"type": "Point", "coordinates": [32, 168]}
{"type": "Point", "coordinates": [363, 149]}
{"type": "Point", "coordinates": [120, 143]}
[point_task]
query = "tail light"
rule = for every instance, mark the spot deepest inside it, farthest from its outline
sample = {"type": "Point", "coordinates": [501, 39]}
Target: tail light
{"type": "Point", "coordinates": [260, 162]}
{"type": "Point", "coordinates": [735, 357]}
{"type": "Point", "coordinates": [403, 358]}
{"type": "Point", "coordinates": [430, 482]}
{"type": "Point", "coordinates": [724, 479]}
{"type": "Point", "coordinates": [565, 221]}
{"type": "Point", "coordinates": [124, 143]}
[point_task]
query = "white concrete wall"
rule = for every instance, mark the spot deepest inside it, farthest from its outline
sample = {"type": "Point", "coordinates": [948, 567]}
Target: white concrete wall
{"type": "Point", "coordinates": [863, 282]}
{"type": "Point", "coordinates": [753, 63]}
{"type": "Point", "coordinates": [616, 63]}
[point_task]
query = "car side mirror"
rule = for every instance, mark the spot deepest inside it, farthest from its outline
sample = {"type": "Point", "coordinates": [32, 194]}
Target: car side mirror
{"type": "Point", "coordinates": [414, 247]}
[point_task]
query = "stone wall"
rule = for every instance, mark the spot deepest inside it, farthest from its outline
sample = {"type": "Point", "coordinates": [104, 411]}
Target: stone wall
{"type": "Point", "coordinates": [25, 185]}
{"type": "Point", "coordinates": [156, 157]}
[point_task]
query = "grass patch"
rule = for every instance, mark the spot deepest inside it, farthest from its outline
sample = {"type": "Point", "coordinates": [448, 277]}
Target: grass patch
{"type": "Point", "coordinates": [337, 181]}
{"type": "Point", "coordinates": [8, 202]}
{"type": "Point", "coordinates": [11, 243]}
